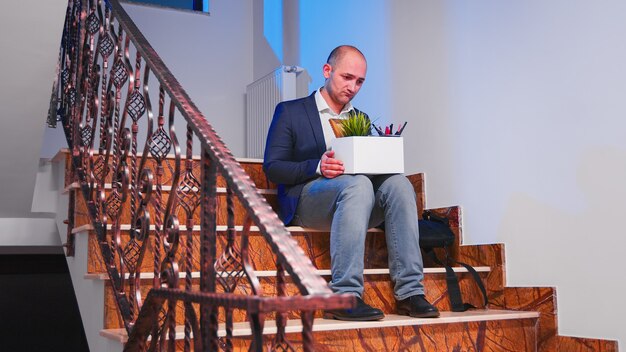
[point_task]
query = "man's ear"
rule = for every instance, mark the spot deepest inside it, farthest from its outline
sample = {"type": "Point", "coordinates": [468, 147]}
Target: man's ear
{"type": "Point", "coordinates": [326, 69]}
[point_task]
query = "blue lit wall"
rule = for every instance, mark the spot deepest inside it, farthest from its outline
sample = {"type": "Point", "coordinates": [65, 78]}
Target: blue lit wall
{"type": "Point", "coordinates": [325, 24]}
{"type": "Point", "coordinates": [273, 25]}
{"type": "Point", "coordinates": [320, 26]}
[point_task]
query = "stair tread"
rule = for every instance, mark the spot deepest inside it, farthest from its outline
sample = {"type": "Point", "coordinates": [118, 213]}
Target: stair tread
{"type": "Point", "coordinates": [64, 151]}
{"type": "Point", "coordinates": [292, 229]}
{"type": "Point", "coordinates": [167, 188]}
{"type": "Point", "coordinates": [390, 320]}
{"type": "Point", "coordinates": [271, 273]}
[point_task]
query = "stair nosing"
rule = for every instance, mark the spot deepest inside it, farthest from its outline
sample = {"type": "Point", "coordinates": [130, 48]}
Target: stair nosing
{"type": "Point", "coordinates": [220, 228]}
{"type": "Point", "coordinates": [168, 188]}
{"type": "Point", "coordinates": [391, 320]}
{"type": "Point", "coordinates": [63, 151]}
{"type": "Point", "coordinates": [272, 273]}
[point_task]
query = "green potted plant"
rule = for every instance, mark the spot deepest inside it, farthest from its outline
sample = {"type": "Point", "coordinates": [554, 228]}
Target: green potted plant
{"type": "Point", "coordinates": [363, 153]}
{"type": "Point", "coordinates": [357, 124]}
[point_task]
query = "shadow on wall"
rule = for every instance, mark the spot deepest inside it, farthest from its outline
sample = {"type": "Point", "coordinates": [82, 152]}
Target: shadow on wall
{"type": "Point", "coordinates": [580, 253]}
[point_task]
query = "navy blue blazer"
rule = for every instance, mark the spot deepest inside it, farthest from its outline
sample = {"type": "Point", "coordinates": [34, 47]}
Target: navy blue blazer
{"type": "Point", "coordinates": [295, 144]}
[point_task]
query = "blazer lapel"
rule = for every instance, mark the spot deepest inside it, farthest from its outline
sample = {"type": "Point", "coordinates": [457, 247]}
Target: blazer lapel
{"type": "Point", "coordinates": [314, 119]}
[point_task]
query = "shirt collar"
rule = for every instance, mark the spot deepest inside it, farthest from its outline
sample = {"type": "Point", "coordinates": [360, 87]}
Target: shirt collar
{"type": "Point", "coordinates": [322, 105]}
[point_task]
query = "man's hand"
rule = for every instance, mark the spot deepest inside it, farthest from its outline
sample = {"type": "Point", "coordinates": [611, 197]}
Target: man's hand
{"type": "Point", "coordinates": [329, 166]}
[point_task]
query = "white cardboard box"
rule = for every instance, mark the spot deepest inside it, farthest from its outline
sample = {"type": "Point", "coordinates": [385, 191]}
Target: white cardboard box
{"type": "Point", "coordinates": [370, 155]}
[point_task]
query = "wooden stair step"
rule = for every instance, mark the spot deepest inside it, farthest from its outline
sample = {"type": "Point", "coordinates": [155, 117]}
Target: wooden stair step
{"type": "Point", "coordinates": [219, 228]}
{"type": "Point", "coordinates": [82, 217]}
{"type": "Point", "coordinates": [314, 243]}
{"type": "Point", "coordinates": [242, 329]}
{"type": "Point", "coordinates": [272, 273]}
{"type": "Point", "coordinates": [378, 291]}
{"type": "Point", "coordinates": [252, 167]}
{"type": "Point", "coordinates": [168, 188]}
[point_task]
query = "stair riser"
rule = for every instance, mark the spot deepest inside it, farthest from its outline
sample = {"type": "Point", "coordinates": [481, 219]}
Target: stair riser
{"type": "Point", "coordinates": [499, 335]}
{"type": "Point", "coordinates": [508, 335]}
{"type": "Point", "coordinates": [254, 169]}
{"type": "Point", "coordinates": [315, 244]}
{"type": "Point", "coordinates": [81, 214]}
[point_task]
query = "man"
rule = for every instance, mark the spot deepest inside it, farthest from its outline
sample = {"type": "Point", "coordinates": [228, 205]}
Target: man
{"type": "Point", "coordinates": [314, 192]}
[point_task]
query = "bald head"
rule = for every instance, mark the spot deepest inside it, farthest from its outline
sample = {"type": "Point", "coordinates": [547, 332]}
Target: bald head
{"type": "Point", "coordinates": [344, 73]}
{"type": "Point", "coordinates": [340, 52]}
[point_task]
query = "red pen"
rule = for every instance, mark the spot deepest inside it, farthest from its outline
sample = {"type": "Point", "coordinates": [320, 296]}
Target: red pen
{"type": "Point", "coordinates": [387, 130]}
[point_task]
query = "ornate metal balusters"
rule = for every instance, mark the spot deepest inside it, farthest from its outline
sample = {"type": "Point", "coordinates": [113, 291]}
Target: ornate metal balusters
{"type": "Point", "coordinates": [89, 100]}
{"type": "Point", "coordinates": [229, 267]}
{"type": "Point", "coordinates": [257, 319]}
{"type": "Point", "coordinates": [188, 194]}
{"type": "Point", "coordinates": [306, 316]}
{"type": "Point", "coordinates": [114, 200]}
{"type": "Point", "coordinates": [73, 73]}
{"type": "Point", "coordinates": [169, 267]}
{"type": "Point", "coordinates": [88, 80]}
{"type": "Point", "coordinates": [55, 109]}
{"type": "Point", "coordinates": [135, 108]}
{"type": "Point", "coordinates": [280, 342]}
{"type": "Point", "coordinates": [121, 138]}
{"type": "Point", "coordinates": [80, 80]}
{"type": "Point", "coordinates": [141, 193]}
{"type": "Point", "coordinates": [113, 209]}
{"type": "Point", "coordinates": [140, 230]}
{"type": "Point", "coordinates": [159, 147]}
{"type": "Point", "coordinates": [105, 49]}
{"type": "Point", "coordinates": [101, 168]}
{"type": "Point", "coordinates": [119, 76]}
{"type": "Point", "coordinates": [208, 237]}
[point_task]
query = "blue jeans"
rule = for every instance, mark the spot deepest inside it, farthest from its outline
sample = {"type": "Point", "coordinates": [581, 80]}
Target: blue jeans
{"type": "Point", "coordinates": [350, 204]}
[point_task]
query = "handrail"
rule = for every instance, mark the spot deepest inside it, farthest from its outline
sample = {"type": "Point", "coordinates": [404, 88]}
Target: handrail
{"type": "Point", "coordinates": [96, 91]}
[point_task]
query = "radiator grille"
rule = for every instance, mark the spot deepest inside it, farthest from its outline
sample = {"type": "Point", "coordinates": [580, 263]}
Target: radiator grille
{"type": "Point", "coordinates": [284, 83]}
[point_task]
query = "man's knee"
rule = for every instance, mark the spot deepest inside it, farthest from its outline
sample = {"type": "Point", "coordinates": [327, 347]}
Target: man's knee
{"type": "Point", "coordinates": [397, 185]}
{"type": "Point", "coordinates": [357, 188]}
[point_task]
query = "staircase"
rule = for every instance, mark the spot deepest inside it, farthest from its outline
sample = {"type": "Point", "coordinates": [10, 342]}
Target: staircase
{"type": "Point", "coordinates": [518, 319]}
{"type": "Point", "coordinates": [183, 252]}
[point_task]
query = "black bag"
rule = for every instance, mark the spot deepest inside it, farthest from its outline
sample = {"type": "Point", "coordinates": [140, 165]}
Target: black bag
{"type": "Point", "coordinates": [435, 233]}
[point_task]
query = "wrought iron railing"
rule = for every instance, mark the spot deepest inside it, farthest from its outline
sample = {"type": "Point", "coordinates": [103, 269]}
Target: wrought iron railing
{"type": "Point", "coordinates": [103, 99]}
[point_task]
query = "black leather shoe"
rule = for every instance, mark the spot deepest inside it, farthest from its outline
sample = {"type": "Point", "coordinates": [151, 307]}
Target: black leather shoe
{"type": "Point", "coordinates": [417, 306]}
{"type": "Point", "coordinates": [362, 312]}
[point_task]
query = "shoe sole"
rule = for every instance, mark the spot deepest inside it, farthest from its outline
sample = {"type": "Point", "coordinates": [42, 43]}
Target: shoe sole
{"type": "Point", "coordinates": [368, 318]}
{"type": "Point", "coordinates": [434, 314]}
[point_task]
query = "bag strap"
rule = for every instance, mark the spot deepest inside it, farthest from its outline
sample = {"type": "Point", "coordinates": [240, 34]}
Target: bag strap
{"type": "Point", "coordinates": [452, 282]}
{"type": "Point", "coordinates": [477, 280]}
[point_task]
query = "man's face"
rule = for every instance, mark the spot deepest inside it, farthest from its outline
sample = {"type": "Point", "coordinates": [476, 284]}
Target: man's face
{"type": "Point", "coordinates": [344, 79]}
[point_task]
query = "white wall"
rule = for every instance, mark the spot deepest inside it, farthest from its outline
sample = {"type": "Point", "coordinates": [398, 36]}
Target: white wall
{"type": "Point", "coordinates": [524, 127]}
{"type": "Point", "coordinates": [30, 36]}
{"type": "Point", "coordinates": [29, 235]}
{"type": "Point", "coordinates": [516, 112]}
{"type": "Point", "coordinates": [210, 55]}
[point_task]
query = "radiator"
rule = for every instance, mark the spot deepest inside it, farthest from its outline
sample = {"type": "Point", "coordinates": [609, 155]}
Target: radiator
{"type": "Point", "coordinates": [284, 83]}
